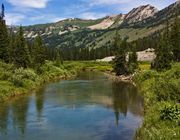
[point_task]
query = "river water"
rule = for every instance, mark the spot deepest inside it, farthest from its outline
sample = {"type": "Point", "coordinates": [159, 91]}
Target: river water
{"type": "Point", "coordinates": [89, 107]}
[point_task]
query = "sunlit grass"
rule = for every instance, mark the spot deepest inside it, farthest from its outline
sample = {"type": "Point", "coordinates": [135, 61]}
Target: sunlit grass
{"type": "Point", "coordinates": [144, 65]}
{"type": "Point", "coordinates": [160, 90]}
{"type": "Point", "coordinates": [15, 81]}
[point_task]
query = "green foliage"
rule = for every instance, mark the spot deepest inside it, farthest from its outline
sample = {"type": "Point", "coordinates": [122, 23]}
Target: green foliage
{"type": "Point", "coordinates": [175, 38]}
{"type": "Point", "coordinates": [166, 89]}
{"type": "Point", "coordinates": [14, 48]}
{"type": "Point", "coordinates": [4, 41]}
{"type": "Point", "coordinates": [120, 64]}
{"type": "Point", "coordinates": [144, 66]}
{"type": "Point", "coordinates": [132, 62]}
{"type": "Point", "coordinates": [50, 71]}
{"type": "Point", "coordinates": [20, 75]}
{"type": "Point", "coordinates": [161, 100]}
{"type": "Point", "coordinates": [58, 61]}
{"type": "Point", "coordinates": [88, 65]}
{"type": "Point", "coordinates": [19, 80]}
{"type": "Point", "coordinates": [15, 80]}
{"type": "Point", "coordinates": [6, 89]}
{"type": "Point", "coordinates": [22, 56]}
{"type": "Point", "coordinates": [38, 52]}
{"type": "Point", "coordinates": [164, 53]}
{"type": "Point", "coordinates": [145, 75]}
{"type": "Point", "coordinates": [170, 113]}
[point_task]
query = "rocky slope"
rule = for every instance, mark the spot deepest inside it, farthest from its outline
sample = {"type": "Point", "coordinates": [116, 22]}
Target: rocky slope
{"type": "Point", "coordinates": [140, 13]}
{"type": "Point", "coordinates": [73, 24]}
{"type": "Point", "coordinates": [106, 23]}
{"type": "Point", "coordinates": [138, 23]}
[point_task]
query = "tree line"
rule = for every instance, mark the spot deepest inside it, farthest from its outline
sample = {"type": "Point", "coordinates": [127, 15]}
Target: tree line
{"type": "Point", "coordinates": [166, 44]}
{"type": "Point", "coordinates": [14, 48]}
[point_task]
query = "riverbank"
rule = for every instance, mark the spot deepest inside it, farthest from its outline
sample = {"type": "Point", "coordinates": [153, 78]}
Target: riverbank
{"type": "Point", "coordinates": [161, 91]}
{"type": "Point", "coordinates": [61, 110]}
{"type": "Point", "coordinates": [17, 81]}
{"type": "Point", "coordinates": [161, 104]}
{"type": "Point", "coordinates": [127, 78]}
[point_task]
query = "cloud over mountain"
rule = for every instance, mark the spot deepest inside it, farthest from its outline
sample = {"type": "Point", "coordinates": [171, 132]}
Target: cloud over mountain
{"type": "Point", "coordinates": [29, 3]}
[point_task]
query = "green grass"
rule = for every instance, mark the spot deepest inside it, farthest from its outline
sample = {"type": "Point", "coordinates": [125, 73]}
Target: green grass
{"type": "Point", "coordinates": [144, 66]}
{"type": "Point", "coordinates": [161, 96]}
{"type": "Point", "coordinates": [88, 65]}
{"type": "Point", "coordinates": [15, 81]}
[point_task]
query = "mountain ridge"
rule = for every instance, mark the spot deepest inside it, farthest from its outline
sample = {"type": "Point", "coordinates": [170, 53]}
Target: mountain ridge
{"type": "Point", "coordinates": [74, 32]}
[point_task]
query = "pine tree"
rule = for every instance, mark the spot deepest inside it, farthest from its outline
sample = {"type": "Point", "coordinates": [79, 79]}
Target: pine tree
{"type": "Point", "coordinates": [163, 52]}
{"type": "Point", "coordinates": [12, 46]}
{"type": "Point", "coordinates": [2, 12]}
{"type": "Point", "coordinates": [115, 43]}
{"type": "Point", "coordinates": [120, 64]}
{"type": "Point", "coordinates": [22, 56]}
{"type": "Point", "coordinates": [58, 61]}
{"type": "Point", "coordinates": [4, 38]}
{"type": "Point", "coordinates": [38, 53]}
{"type": "Point", "coordinates": [175, 38]}
{"type": "Point", "coordinates": [133, 62]}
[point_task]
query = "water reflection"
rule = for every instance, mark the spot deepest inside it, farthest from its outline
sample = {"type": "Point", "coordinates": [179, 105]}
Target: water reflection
{"type": "Point", "coordinates": [68, 106]}
{"type": "Point", "coordinates": [4, 117]}
{"type": "Point", "coordinates": [125, 98]}
{"type": "Point", "coordinates": [19, 108]}
{"type": "Point", "coordinates": [39, 99]}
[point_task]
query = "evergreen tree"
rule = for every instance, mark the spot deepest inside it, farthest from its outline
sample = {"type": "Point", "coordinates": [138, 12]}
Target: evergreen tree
{"type": "Point", "coordinates": [120, 64]}
{"type": "Point", "coordinates": [4, 38]}
{"type": "Point", "coordinates": [115, 43]}
{"type": "Point", "coordinates": [163, 52]}
{"type": "Point", "coordinates": [58, 61]}
{"type": "Point", "coordinates": [22, 56]}
{"type": "Point", "coordinates": [38, 53]}
{"type": "Point", "coordinates": [133, 62]}
{"type": "Point", "coordinates": [2, 12]}
{"type": "Point", "coordinates": [11, 50]}
{"type": "Point", "coordinates": [175, 39]}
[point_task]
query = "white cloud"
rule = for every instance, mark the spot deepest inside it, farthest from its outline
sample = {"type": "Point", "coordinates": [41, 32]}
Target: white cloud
{"type": "Point", "coordinates": [129, 3]}
{"type": "Point", "coordinates": [45, 18]}
{"type": "Point", "coordinates": [106, 2]}
{"type": "Point", "coordinates": [14, 18]}
{"type": "Point", "coordinates": [29, 3]}
{"type": "Point", "coordinates": [56, 19]}
{"type": "Point", "coordinates": [91, 15]}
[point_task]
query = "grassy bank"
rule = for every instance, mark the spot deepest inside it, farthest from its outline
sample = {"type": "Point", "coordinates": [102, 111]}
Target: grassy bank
{"type": "Point", "coordinates": [88, 65]}
{"type": "Point", "coordinates": [15, 81]}
{"type": "Point", "coordinates": [161, 104]}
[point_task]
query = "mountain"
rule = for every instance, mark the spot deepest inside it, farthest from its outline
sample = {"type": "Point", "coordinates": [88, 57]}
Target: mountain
{"type": "Point", "coordinates": [140, 13]}
{"type": "Point", "coordinates": [106, 22]}
{"type": "Point", "coordinates": [59, 28]}
{"type": "Point", "coordinates": [138, 23]}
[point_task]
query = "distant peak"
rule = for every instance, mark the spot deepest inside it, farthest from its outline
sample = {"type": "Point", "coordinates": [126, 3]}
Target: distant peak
{"type": "Point", "coordinates": [140, 13]}
{"type": "Point", "coordinates": [178, 1]}
{"type": "Point", "coordinates": [146, 6]}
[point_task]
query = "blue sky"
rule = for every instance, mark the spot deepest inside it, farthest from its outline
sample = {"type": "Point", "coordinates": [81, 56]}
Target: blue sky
{"type": "Point", "coordinates": [28, 12]}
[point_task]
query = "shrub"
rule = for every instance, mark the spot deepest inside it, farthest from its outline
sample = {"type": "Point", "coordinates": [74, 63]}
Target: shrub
{"type": "Point", "coordinates": [170, 113]}
{"type": "Point", "coordinates": [19, 76]}
{"type": "Point", "coordinates": [6, 89]}
{"type": "Point", "coordinates": [166, 89]}
{"type": "Point", "coordinates": [146, 75]}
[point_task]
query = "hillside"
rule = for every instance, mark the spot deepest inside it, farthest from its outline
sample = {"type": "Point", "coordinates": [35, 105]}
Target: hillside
{"type": "Point", "coordinates": [138, 23]}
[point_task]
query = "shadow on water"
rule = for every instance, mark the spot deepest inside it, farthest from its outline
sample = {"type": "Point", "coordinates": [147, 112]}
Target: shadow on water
{"type": "Point", "coordinates": [19, 109]}
{"type": "Point", "coordinates": [126, 98]}
{"type": "Point", "coordinates": [89, 107]}
{"type": "Point", "coordinates": [39, 99]}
